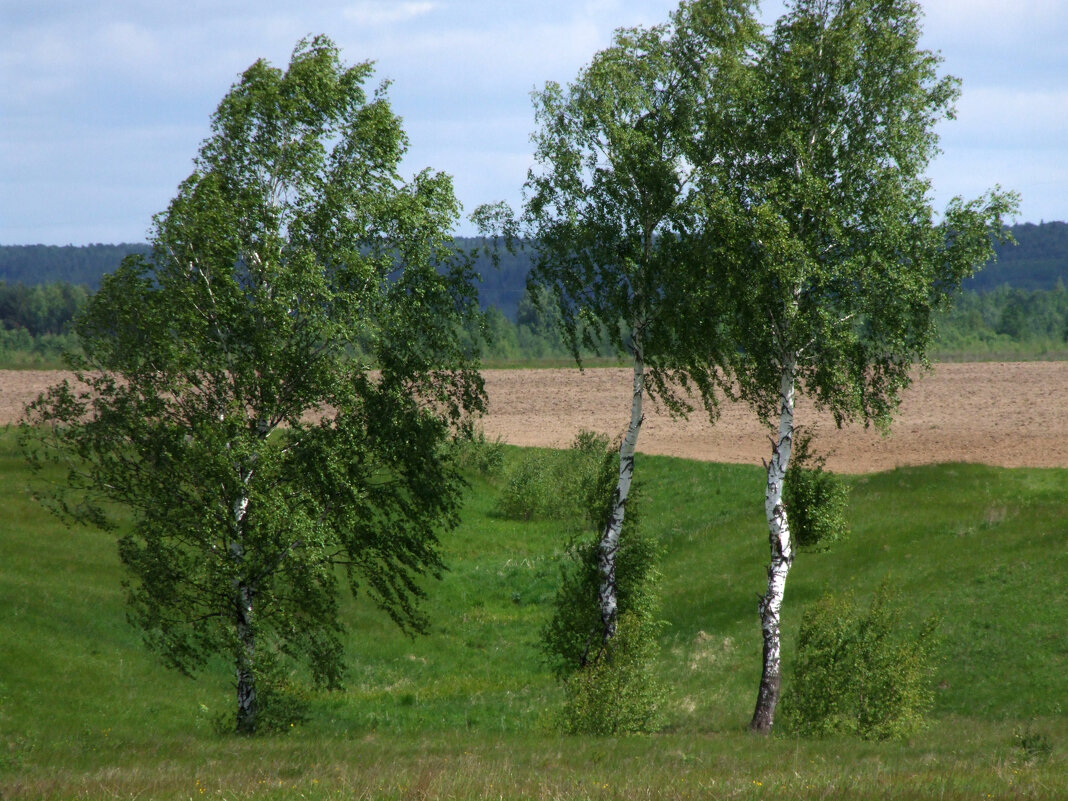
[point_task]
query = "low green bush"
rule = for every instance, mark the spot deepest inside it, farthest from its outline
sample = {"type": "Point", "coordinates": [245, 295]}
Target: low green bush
{"type": "Point", "coordinates": [815, 499]}
{"type": "Point", "coordinates": [283, 702]}
{"type": "Point", "coordinates": [860, 672]}
{"type": "Point", "coordinates": [617, 691]}
{"type": "Point", "coordinates": [1034, 746]}
{"type": "Point", "coordinates": [478, 454]}
{"type": "Point", "coordinates": [554, 485]}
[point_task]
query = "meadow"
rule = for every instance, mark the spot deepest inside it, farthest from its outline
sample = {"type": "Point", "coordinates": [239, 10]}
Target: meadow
{"type": "Point", "coordinates": [467, 712]}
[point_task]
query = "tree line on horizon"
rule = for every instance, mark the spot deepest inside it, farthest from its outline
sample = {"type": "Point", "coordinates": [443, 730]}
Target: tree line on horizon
{"type": "Point", "coordinates": [1037, 261]}
{"type": "Point", "coordinates": [36, 319]}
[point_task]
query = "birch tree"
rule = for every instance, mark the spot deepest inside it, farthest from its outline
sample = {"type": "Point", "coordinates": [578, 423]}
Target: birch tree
{"type": "Point", "coordinates": [613, 207]}
{"type": "Point", "coordinates": [268, 394]}
{"type": "Point", "coordinates": [839, 260]}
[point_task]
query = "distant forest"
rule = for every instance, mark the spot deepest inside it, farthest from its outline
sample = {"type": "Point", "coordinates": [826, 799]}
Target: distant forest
{"type": "Point", "coordinates": [84, 265]}
{"type": "Point", "coordinates": [1015, 308]}
{"type": "Point", "coordinates": [1039, 261]}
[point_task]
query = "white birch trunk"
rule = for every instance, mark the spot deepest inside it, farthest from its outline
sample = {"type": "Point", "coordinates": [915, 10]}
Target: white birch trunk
{"type": "Point", "coordinates": [247, 706]}
{"type": "Point", "coordinates": [609, 545]}
{"type": "Point", "coordinates": [244, 595]}
{"type": "Point", "coordinates": [782, 555]}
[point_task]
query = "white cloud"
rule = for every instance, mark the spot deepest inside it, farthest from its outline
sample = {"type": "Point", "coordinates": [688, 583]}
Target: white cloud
{"type": "Point", "coordinates": [978, 21]}
{"type": "Point", "coordinates": [384, 12]}
{"type": "Point", "coordinates": [89, 88]}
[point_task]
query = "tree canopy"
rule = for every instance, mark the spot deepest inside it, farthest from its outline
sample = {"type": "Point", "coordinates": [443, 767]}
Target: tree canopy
{"type": "Point", "coordinates": [269, 393]}
{"type": "Point", "coordinates": [615, 204]}
{"type": "Point", "coordinates": [827, 247]}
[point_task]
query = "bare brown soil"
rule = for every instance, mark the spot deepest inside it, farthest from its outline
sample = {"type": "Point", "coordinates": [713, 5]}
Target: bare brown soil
{"type": "Point", "coordinates": [1007, 414]}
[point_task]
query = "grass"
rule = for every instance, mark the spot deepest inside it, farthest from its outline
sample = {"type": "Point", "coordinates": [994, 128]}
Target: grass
{"type": "Point", "coordinates": [1007, 352]}
{"type": "Point", "coordinates": [27, 360]}
{"type": "Point", "coordinates": [466, 712]}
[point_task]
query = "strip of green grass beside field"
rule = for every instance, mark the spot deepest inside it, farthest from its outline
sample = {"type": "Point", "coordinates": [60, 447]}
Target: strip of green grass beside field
{"type": "Point", "coordinates": [466, 712]}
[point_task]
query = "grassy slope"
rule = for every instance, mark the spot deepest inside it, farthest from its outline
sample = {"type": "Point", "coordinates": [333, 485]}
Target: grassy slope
{"type": "Point", "coordinates": [465, 712]}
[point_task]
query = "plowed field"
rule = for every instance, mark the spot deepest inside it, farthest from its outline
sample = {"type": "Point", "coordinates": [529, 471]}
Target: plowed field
{"type": "Point", "coordinates": [1010, 415]}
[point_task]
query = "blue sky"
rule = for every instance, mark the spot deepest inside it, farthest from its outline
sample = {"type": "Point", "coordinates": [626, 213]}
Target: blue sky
{"type": "Point", "coordinates": [103, 103]}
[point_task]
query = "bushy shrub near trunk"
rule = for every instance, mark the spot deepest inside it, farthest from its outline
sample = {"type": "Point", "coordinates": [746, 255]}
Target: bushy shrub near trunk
{"type": "Point", "coordinates": [860, 672]}
{"type": "Point", "coordinates": [815, 498]}
{"type": "Point", "coordinates": [616, 691]}
{"type": "Point", "coordinates": [610, 684]}
{"type": "Point", "coordinates": [554, 485]}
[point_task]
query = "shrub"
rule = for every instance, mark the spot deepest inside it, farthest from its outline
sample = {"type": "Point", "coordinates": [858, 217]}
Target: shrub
{"type": "Point", "coordinates": [284, 702]}
{"type": "Point", "coordinates": [478, 454]}
{"type": "Point", "coordinates": [1034, 746]}
{"type": "Point", "coordinates": [532, 490]}
{"type": "Point", "coordinates": [859, 672]}
{"type": "Point", "coordinates": [610, 687]}
{"type": "Point", "coordinates": [554, 485]}
{"type": "Point", "coordinates": [617, 691]}
{"type": "Point", "coordinates": [815, 499]}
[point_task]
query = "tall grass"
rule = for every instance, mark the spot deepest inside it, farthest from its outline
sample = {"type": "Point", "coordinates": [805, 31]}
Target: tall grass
{"type": "Point", "coordinates": [468, 711]}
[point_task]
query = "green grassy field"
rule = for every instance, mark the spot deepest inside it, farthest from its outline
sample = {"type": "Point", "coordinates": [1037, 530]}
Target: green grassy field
{"type": "Point", "coordinates": [467, 712]}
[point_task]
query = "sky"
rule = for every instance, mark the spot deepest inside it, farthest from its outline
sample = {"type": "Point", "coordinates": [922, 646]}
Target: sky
{"type": "Point", "coordinates": [104, 103]}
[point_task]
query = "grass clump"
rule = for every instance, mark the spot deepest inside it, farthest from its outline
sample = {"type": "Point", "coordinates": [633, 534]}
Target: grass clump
{"type": "Point", "coordinates": [1034, 746]}
{"type": "Point", "coordinates": [860, 672]}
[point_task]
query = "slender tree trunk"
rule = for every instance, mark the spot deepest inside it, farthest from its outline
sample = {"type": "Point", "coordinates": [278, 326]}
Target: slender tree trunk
{"type": "Point", "coordinates": [247, 705]}
{"type": "Point", "coordinates": [244, 596]}
{"type": "Point", "coordinates": [782, 556]}
{"type": "Point", "coordinates": [609, 545]}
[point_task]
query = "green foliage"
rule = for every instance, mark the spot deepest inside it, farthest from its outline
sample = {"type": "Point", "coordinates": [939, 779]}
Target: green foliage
{"type": "Point", "coordinates": [617, 692]}
{"type": "Point", "coordinates": [835, 260]}
{"type": "Point", "coordinates": [859, 672]}
{"type": "Point", "coordinates": [45, 308]}
{"type": "Point", "coordinates": [1037, 260]}
{"type": "Point", "coordinates": [1009, 321]}
{"type": "Point", "coordinates": [823, 243]}
{"type": "Point", "coordinates": [270, 395]}
{"type": "Point", "coordinates": [84, 265]}
{"type": "Point", "coordinates": [283, 701]}
{"type": "Point", "coordinates": [35, 323]}
{"type": "Point", "coordinates": [573, 636]}
{"type": "Point", "coordinates": [815, 499]}
{"type": "Point", "coordinates": [554, 485]}
{"type": "Point", "coordinates": [477, 454]}
{"type": "Point", "coordinates": [21, 350]}
{"type": "Point", "coordinates": [617, 200]}
{"type": "Point", "coordinates": [610, 685]}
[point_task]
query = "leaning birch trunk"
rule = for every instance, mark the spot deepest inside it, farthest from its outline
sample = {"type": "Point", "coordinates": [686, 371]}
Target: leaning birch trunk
{"type": "Point", "coordinates": [782, 556]}
{"type": "Point", "coordinates": [609, 545]}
